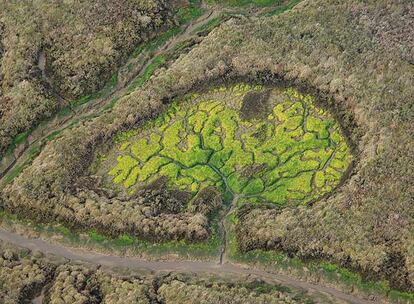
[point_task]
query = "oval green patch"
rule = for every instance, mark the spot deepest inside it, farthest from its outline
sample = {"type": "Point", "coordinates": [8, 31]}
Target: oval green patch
{"type": "Point", "coordinates": [263, 144]}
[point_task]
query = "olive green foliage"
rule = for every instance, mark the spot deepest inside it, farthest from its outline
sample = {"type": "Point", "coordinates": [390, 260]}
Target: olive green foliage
{"type": "Point", "coordinates": [154, 44]}
{"type": "Point", "coordinates": [72, 285]}
{"type": "Point", "coordinates": [192, 11]}
{"type": "Point", "coordinates": [116, 290]}
{"type": "Point", "coordinates": [295, 155]}
{"type": "Point", "coordinates": [32, 153]}
{"type": "Point", "coordinates": [207, 27]}
{"type": "Point", "coordinates": [283, 8]}
{"type": "Point", "coordinates": [83, 284]}
{"type": "Point", "coordinates": [157, 62]}
{"type": "Point", "coordinates": [110, 31]}
{"type": "Point", "coordinates": [177, 290]}
{"type": "Point", "coordinates": [20, 276]}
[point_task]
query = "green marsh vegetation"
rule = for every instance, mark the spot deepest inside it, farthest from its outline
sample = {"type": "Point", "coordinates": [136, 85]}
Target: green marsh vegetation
{"type": "Point", "coordinates": [243, 3]}
{"type": "Point", "coordinates": [246, 2]}
{"type": "Point", "coordinates": [247, 141]}
{"type": "Point", "coordinates": [189, 13]}
{"type": "Point", "coordinates": [264, 145]}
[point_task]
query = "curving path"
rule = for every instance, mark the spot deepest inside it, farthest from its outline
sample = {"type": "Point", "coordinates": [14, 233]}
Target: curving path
{"type": "Point", "coordinates": [177, 266]}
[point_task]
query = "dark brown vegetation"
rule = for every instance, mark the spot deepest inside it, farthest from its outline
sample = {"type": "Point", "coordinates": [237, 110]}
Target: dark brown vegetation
{"type": "Point", "coordinates": [357, 55]}
{"type": "Point", "coordinates": [254, 105]}
{"type": "Point", "coordinates": [53, 52]}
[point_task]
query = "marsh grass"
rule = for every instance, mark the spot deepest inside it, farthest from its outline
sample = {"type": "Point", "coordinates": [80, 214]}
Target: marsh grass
{"type": "Point", "coordinates": [192, 12]}
{"type": "Point", "coordinates": [297, 149]}
{"type": "Point", "coordinates": [156, 63]}
{"type": "Point", "coordinates": [241, 3]}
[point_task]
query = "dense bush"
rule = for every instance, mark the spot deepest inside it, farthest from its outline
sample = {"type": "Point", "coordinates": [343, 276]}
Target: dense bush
{"type": "Point", "coordinates": [73, 284]}
{"type": "Point", "coordinates": [116, 290]}
{"type": "Point", "coordinates": [105, 33]}
{"type": "Point", "coordinates": [83, 43]}
{"type": "Point", "coordinates": [82, 284]}
{"type": "Point", "coordinates": [175, 290]}
{"type": "Point", "coordinates": [21, 276]}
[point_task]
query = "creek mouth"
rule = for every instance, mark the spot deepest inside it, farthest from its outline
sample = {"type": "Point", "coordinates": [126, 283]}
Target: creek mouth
{"type": "Point", "coordinates": [225, 227]}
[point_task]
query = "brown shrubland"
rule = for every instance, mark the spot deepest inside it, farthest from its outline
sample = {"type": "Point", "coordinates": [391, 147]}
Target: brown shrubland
{"type": "Point", "coordinates": [84, 42]}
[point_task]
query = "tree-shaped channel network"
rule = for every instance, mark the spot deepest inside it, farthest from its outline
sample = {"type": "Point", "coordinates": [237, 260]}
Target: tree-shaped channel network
{"type": "Point", "coordinates": [291, 153]}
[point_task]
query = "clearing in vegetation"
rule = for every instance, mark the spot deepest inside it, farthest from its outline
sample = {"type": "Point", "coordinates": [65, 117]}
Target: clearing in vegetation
{"type": "Point", "coordinates": [261, 144]}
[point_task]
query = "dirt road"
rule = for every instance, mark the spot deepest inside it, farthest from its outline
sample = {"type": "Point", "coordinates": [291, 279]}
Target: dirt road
{"type": "Point", "coordinates": [211, 267]}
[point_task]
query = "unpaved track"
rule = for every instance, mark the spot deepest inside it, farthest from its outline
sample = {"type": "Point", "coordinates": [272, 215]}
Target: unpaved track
{"type": "Point", "coordinates": [166, 266]}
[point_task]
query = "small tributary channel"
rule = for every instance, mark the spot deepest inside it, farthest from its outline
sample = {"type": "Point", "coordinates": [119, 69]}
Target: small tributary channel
{"type": "Point", "coordinates": [225, 227]}
{"type": "Point", "coordinates": [224, 221]}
